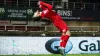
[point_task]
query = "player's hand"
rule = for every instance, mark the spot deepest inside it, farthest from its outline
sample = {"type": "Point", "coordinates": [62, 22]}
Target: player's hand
{"type": "Point", "coordinates": [39, 2]}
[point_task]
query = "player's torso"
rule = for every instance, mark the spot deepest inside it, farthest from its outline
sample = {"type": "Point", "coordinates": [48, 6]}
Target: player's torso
{"type": "Point", "coordinates": [51, 15]}
{"type": "Point", "coordinates": [55, 18]}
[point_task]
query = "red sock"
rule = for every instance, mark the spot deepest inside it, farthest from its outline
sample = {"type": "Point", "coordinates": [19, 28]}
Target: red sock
{"type": "Point", "coordinates": [64, 40]}
{"type": "Point", "coordinates": [61, 41]}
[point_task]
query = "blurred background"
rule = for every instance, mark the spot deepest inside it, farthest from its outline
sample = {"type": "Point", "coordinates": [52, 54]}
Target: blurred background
{"type": "Point", "coordinates": [81, 16]}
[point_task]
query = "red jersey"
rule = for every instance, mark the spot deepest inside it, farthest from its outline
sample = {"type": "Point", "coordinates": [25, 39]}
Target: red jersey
{"type": "Point", "coordinates": [53, 16]}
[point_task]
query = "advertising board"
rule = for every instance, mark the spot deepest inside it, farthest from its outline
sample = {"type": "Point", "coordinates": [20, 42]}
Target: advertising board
{"type": "Point", "coordinates": [48, 45]}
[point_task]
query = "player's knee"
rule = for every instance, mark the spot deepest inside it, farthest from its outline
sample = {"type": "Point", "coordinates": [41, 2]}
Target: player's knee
{"type": "Point", "coordinates": [68, 33]}
{"type": "Point", "coordinates": [64, 32]}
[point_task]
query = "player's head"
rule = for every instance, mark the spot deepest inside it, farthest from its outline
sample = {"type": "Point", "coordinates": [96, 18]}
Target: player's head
{"type": "Point", "coordinates": [38, 3]}
{"type": "Point", "coordinates": [37, 13]}
{"type": "Point", "coordinates": [41, 6]}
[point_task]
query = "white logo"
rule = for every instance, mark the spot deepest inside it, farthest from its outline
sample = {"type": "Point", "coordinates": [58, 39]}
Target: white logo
{"type": "Point", "coordinates": [2, 10]}
{"type": "Point", "coordinates": [29, 11]}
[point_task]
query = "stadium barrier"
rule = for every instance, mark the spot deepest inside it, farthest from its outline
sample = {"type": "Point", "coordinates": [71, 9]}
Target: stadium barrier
{"type": "Point", "coordinates": [47, 28]}
{"type": "Point", "coordinates": [47, 45]}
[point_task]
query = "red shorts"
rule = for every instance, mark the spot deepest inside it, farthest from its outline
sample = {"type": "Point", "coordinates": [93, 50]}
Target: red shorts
{"type": "Point", "coordinates": [62, 26]}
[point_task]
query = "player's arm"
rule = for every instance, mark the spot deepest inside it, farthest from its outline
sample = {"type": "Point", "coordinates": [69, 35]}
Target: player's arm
{"type": "Point", "coordinates": [42, 7]}
{"type": "Point", "coordinates": [43, 4]}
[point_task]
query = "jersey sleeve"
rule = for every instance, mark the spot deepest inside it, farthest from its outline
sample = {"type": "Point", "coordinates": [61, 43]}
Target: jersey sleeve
{"type": "Point", "coordinates": [42, 7]}
{"type": "Point", "coordinates": [46, 5]}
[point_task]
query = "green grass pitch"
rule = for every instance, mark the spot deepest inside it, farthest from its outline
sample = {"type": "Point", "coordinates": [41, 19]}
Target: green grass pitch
{"type": "Point", "coordinates": [55, 55]}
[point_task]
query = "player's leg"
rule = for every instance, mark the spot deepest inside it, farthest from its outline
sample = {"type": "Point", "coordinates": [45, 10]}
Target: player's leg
{"type": "Point", "coordinates": [63, 40]}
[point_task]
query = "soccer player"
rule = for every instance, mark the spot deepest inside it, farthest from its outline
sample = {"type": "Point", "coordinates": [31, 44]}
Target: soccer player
{"type": "Point", "coordinates": [57, 20]}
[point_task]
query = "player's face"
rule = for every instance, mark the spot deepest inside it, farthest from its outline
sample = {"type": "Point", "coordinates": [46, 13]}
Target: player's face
{"type": "Point", "coordinates": [37, 13]}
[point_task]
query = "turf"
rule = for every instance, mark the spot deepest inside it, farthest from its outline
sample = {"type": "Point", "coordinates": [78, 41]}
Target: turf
{"type": "Point", "coordinates": [55, 55]}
